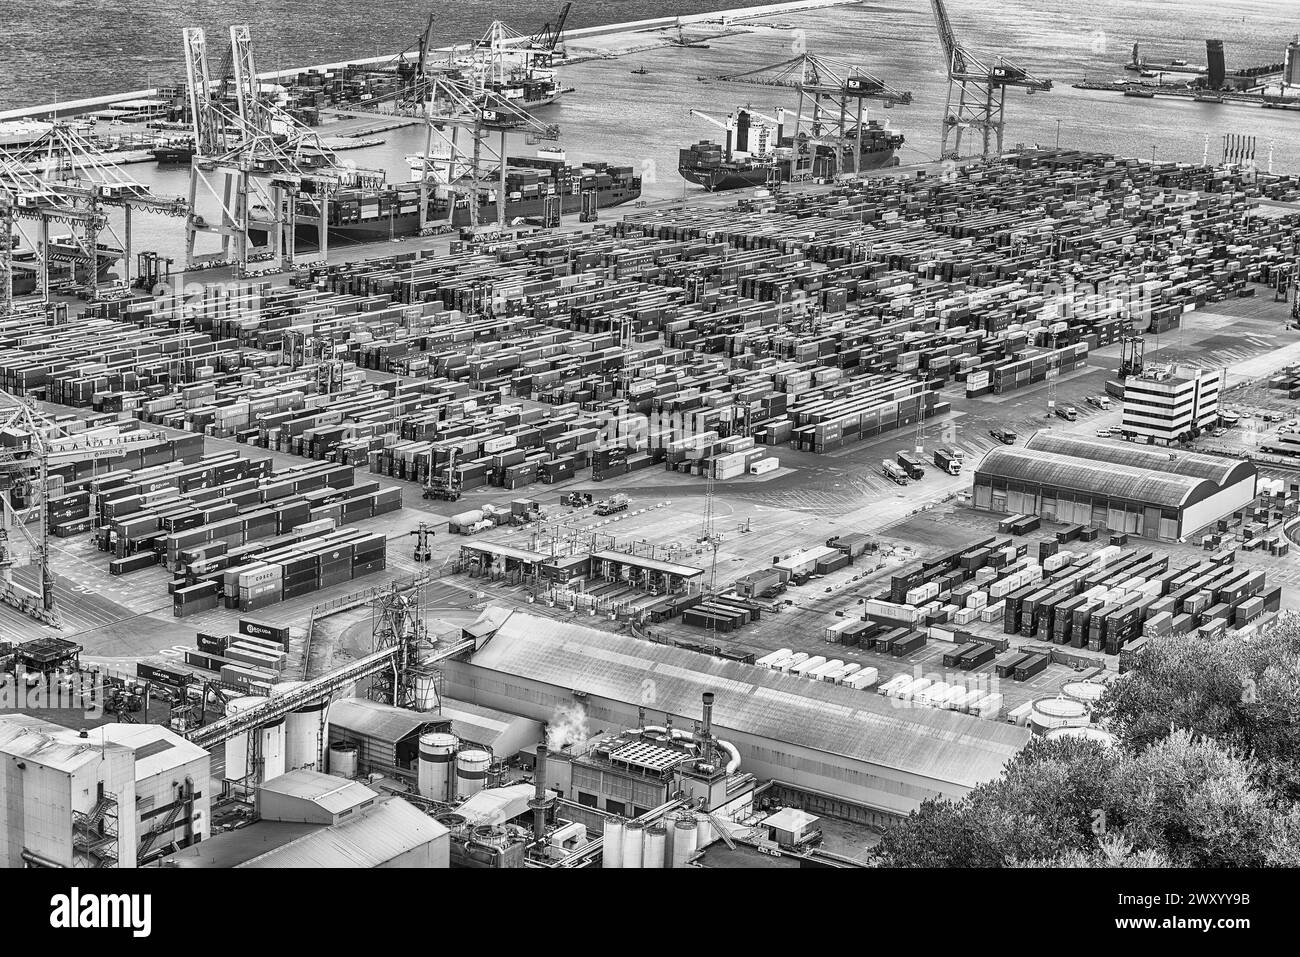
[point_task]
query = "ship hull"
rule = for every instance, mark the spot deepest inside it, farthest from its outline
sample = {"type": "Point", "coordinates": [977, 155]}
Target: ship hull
{"type": "Point", "coordinates": [719, 179]}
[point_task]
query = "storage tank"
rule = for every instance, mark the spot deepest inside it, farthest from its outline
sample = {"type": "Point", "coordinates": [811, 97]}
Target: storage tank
{"type": "Point", "coordinates": [1087, 692]}
{"type": "Point", "coordinates": [703, 831]}
{"type": "Point", "coordinates": [237, 745]}
{"type": "Point", "coordinates": [437, 754]}
{"type": "Point", "coordinates": [683, 839]}
{"type": "Point", "coordinates": [656, 837]}
{"type": "Point", "coordinates": [303, 730]}
{"type": "Point", "coordinates": [272, 736]}
{"type": "Point", "coordinates": [466, 519]}
{"type": "Point", "coordinates": [1049, 713]}
{"type": "Point", "coordinates": [633, 844]}
{"type": "Point", "coordinates": [471, 771]}
{"type": "Point", "coordinates": [343, 760]}
{"type": "Point", "coordinates": [612, 848]}
{"type": "Point", "coordinates": [1087, 734]}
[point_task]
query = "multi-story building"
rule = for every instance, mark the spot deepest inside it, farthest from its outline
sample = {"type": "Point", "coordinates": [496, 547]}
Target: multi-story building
{"type": "Point", "coordinates": [1165, 407]}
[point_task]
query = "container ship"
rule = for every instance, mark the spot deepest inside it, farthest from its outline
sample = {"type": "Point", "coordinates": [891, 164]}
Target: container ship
{"type": "Point", "coordinates": [394, 211]}
{"type": "Point", "coordinates": [776, 157]}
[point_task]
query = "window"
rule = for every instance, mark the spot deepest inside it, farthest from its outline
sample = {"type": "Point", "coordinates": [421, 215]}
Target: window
{"type": "Point", "coordinates": [586, 800]}
{"type": "Point", "coordinates": [615, 807]}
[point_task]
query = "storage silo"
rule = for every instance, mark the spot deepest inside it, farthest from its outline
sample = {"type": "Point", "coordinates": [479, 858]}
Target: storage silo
{"type": "Point", "coordinates": [1049, 713]}
{"type": "Point", "coordinates": [343, 760]}
{"type": "Point", "coordinates": [437, 754]}
{"type": "Point", "coordinates": [1087, 692]}
{"type": "Point", "coordinates": [633, 844]}
{"type": "Point", "coordinates": [612, 848]}
{"type": "Point", "coordinates": [272, 739]}
{"type": "Point", "coordinates": [703, 832]}
{"type": "Point", "coordinates": [303, 730]}
{"type": "Point", "coordinates": [656, 837]}
{"type": "Point", "coordinates": [237, 768]}
{"type": "Point", "coordinates": [1085, 734]}
{"type": "Point", "coordinates": [683, 839]}
{"type": "Point", "coordinates": [471, 771]}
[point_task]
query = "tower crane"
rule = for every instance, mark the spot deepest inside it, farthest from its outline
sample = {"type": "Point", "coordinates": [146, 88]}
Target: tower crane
{"type": "Point", "coordinates": [980, 91]}
{"type": "Point", "coordinates": [831, 111]}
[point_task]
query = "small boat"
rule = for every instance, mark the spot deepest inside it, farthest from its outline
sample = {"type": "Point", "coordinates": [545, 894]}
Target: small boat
{"type": "Point", "coordinates": [1208, 98]}
{"type": "Point", "coordinates": [641, 71]}
{"type": "Point", "coordinates": [1139, 91]}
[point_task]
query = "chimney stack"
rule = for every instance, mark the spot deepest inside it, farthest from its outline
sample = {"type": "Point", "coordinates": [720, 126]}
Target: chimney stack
{"type": "Point", "coordinates": [540, 803]}
{"type": "Point", "coordinates": [708, 714]}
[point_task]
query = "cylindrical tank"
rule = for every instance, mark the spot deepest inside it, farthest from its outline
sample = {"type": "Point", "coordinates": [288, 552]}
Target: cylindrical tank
{"type": "Point", "coordinates": [633, 844]}
{"type": "Point", "coordinates": [465, 519]}
{"type": "Point", "coordinates": [612, 848]}
{"type": "Point", "coordinates": [1086, 734]}
{"type": "Point", "coordinates": [437, 753]}
{"type": "Point", "coordinates": [1086, 691]}
{"type": "Point", "coordinates": [656, 836]}
{"type": "Point", "coordinates": [303, 730]}
{"type": "Point", "coordinates": [703, 832]}
{"type": "Point", "coordinates": [272, 736]}
{"type": "Point", "coordinates": [683, 839]}
{"type": "Point", "coordinates": [1049, 713]}
{"type": "Point", "coordinates": [343, 760]}
{"type": "Point", "coordinates": [471, 771]}
{"type": "Point", "coordinates": [237, 746]}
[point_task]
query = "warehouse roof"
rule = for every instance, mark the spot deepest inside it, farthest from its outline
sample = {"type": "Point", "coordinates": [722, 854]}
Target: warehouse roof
{"type": "Point", "coordinates": [376, 720]}
{"type": "Point", "coordinates": [486, 726]}
{"type": "Point", "coordinates": [157, 749]}
{"type": "Point", "coordinates": [1111, 479]}
{"type": "Point", "coordinates": [505, 551]}
{"type": "Point", "coordinates": [372, 839]}
{"type": "Point", "coordinates": [327, 791]}
{"type": "Point", "coordinates": [1215, 468]}
{"type": "Point", "coordinates": [51, 745]}
{"type": "Point", "coordinates": [936, 744]}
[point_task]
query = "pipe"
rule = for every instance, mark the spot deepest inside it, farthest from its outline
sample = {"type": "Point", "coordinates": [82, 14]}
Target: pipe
{"type": "Point", "coordinates": [39, 860]}
{"type": "Point", "coordinates": [679, 735]}
{"type": "Point", "coordinates": [539, 795]}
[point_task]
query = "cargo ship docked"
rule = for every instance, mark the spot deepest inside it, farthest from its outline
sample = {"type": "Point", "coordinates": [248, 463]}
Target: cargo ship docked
{"type": "Point", "coordinates": [394, 211]}
{"type": "Point", "coordinates": [776, 158]}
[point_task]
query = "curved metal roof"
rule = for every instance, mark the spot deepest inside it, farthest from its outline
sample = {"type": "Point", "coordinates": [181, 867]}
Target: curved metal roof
{"type": "Point", "coordinates": [1222, 471]}
{"type": "Point", "coordinates": [1110, 479]}
{"type": "Point", "coordinates": [941, 745]}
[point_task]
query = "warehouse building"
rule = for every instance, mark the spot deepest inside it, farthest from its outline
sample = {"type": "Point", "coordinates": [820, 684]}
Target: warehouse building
{"type": "Point", "coordinates": [1121, 487]}
{"type": "Point", "coordinates": [1168, 406]}
{"type": "Point", "coordinates": [844, 751]}
{"type": "Point", "coordinates": [309, 819]}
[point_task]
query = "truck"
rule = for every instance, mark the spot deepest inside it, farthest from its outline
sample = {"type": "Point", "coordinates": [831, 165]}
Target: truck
{"type": "Point", "coordinates": [1067, 412]}
{"type": "Point", "coordinates": [1100, 401]}
{"type": "Point", "coordinates": [893, 471]}
{"type": "Point", "coordinates": [1005, 436]}
{"type": "Point", "coordinates": [912, 465]}
{"type": "Point", "coordinates": [948, 461]}
{"type": "Point", "coordinates": [616, 503]}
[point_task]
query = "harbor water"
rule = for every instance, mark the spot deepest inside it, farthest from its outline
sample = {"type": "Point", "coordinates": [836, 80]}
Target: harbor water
{"type": "Point", "coordinates": [642, 119]}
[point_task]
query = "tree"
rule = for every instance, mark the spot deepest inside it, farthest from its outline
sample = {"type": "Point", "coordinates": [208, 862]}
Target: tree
{"type": "Point", "coordinates": [1241, 690]}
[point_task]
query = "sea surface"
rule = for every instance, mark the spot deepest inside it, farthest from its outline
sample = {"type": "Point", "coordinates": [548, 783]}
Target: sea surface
{"type": "Point", "coordinates": [58, 49]}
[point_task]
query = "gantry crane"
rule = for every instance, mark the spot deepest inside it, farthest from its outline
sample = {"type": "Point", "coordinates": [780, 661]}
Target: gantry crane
{"type": "Point", "coordinates": [980, 91]}
{"type": "Point", "coordinates": [65, 164]}
{"type": "Point", "coordinates": [831, 112]}
{"type": "Point", "coordinates": [268, 173]}
{"type": "Point", "coordinates": [30, 444]}
{"type": "Point", "coordinates": [23, 197]}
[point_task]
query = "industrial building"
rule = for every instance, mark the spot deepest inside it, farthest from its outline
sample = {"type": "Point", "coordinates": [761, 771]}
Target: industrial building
{"type": "Point", "coordinates": [1121, 487]}
{"type": "Point", "coordinates": [1167, 406]}
{"type": "Point", "coordinates": [845, 751]}
{"type": "Point", "coordinates": [109, 797]}
{"type": "Point", "coordinates": [309, 819]}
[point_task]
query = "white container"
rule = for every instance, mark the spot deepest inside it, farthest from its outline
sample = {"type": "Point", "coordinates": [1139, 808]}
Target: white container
{"type": "Point", "coordinates": [769, 659]}
{"type": "Point", "coordinates": [798, 658]}
{"type": "Point", "coordinates": [434, 771]}
{"type": "Point", "coordinates": [343, 760]}
{"type": "Point", "coordinates": [471, 771]}
{"type": "Point", "coordinates": [611, 855]}
{"type": "Point", "coordinates": [808, 665]}
{"type": "Point", "coordinates": [303, 731]}
{"type": "Point", "coordinates": [633, 844]}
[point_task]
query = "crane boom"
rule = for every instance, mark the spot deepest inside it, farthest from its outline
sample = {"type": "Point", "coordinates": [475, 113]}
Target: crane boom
{"type": "Point", "coordinates": [952, 50]}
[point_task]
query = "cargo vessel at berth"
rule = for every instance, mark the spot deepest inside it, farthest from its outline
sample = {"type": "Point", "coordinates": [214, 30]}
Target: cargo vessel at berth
{"type": "Point", "coordinates": [394, 211]}
{"type": "Point", "coordinates": [755, 155]}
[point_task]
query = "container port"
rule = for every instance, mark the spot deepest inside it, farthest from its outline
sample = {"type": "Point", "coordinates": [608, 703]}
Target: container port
{"type": "Point", "coordinates": [504, 518]}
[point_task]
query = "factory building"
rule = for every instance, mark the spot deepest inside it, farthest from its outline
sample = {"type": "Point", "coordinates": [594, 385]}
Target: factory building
{"type": "Point", "coordinates": [108, 797]}
{"type": "Point", "coordinates": [1169, 406]}
{"type": "Point", "coordinates": [382, 738]}
{"type": "Point", "coordinates": [1121, 487]}
{"type": "Point", "coordinates": [309, 819]}
{"type": "Point", "coordinates": [843, 751]}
